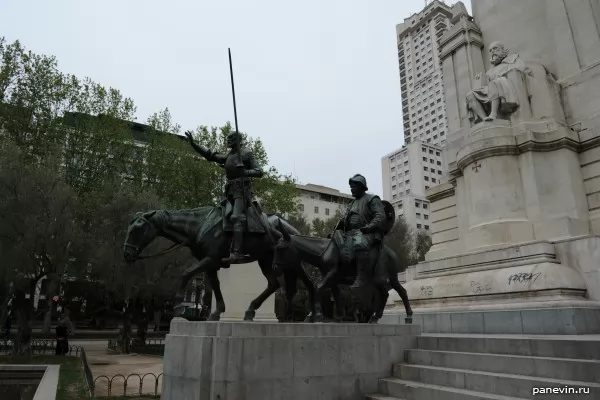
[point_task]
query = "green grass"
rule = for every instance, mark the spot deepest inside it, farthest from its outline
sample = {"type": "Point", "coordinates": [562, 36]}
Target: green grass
{"type": "Point", "coordinates": [71, 381]}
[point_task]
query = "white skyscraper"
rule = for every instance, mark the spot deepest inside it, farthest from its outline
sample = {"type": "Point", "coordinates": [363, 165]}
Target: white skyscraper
{"type": "Point", "coordinates": [423, 107]}
{"type": "Point", "coordinates": [409, 171]}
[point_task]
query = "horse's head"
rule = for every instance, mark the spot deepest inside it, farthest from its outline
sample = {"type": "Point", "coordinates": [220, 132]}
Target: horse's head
{"type": "Point", "coordinates": [141, 232]}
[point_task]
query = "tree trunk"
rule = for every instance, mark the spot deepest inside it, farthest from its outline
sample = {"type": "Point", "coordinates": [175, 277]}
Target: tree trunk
{"type": "Point", "coordinates": [157, 318]}
{"type": "Point", "coordinates": [50, 292]}
{"type": "Point", "coordinates": [24, 313]}
{"type": "Point", "coordinates": [126, 333]}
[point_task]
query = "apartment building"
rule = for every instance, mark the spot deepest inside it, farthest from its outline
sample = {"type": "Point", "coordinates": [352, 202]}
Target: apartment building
{"type": "Point", "coordinates": [406, 174]}
{"type": "Point", "coordinates": [321, 202]}
{"type": "Point", "coordinates": [423, 104]}
{"type": "Point", "coordinates": [418, 165]}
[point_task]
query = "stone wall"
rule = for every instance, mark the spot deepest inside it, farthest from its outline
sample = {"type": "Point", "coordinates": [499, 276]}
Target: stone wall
{"type": "Point", "coordinates": [590, 168]}
{"type": "Point", "coordinates": [268, 361]}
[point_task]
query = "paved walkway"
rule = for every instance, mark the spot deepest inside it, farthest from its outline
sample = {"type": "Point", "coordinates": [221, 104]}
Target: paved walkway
{"type": "Point", "coordinates": [105, 366]}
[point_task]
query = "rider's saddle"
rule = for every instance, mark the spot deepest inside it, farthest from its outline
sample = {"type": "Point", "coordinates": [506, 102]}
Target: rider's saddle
{"type": "Point", "coordinates": [253, 217]}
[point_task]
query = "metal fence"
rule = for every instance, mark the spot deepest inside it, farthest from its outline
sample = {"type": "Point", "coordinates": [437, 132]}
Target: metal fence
{"type": "Point", "coordinates": [38, 347]}
{"type": "Point", "coordinates": [130, 385]}
{"type": "Point", "coordinates": [138, 385]}
{"type": "Point", "coordinates": [87, 372]}
{"type": "Point", "coordinates": [152, 346]}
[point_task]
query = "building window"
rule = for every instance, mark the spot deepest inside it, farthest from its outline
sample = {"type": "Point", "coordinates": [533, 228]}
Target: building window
{"type": "Point", "coordinates": [393, 169]}
{"type": "Point", "coordinates": [417, 204]}
{"type": "Point", "coordinates": [425, 159]}
{"type": "Point", "coordinates": [438, 163]}
{"type": "Point", "coordinates": [405, 163]}
{"type": "Point", "coordinates": [418, 226]}
{"type": "Point", "coordinates": [425, 169]}
{"type": "Point", "coordinates": [393, 188]}
{"type": "Point", "coordinates": [437, 153]}
{"type": "Point", "coordinates": [430, 151]}
{"type": "Point", "coordinates": [424, 150]}
{"type": "Point", "coordinates": [316, 210]}
{"type": "Point", "coordinates": [433, 180]}
{"type": "Point", "coordinates": [394, 177]}
{"type": "Point", "coordinates": [327, 211]}
{"type": "Point", "coordinates": [394, 196]}
{"type": "Point", "coordinates": [407, 181]}
{"type": "Point", "coordinates": [418, 216]}
{"type": "Point", "coordinates": [439, 172]}
{"type": "Point", "coordinates": [425, 216]}
{"type": "Point", "coordinates": [426, 227]}
{"type": "Point", "coordinates": [426, 187]}
{"type": "Point", "coordinates": [427, 178]}
{"type": "Point", "coordinates": [425, 206]}
{"type": "Point", "coordinates": [301, 207]}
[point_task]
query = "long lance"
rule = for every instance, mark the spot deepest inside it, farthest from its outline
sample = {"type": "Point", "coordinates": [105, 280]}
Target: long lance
{"type": "Point", "coordinates": [239, 135]}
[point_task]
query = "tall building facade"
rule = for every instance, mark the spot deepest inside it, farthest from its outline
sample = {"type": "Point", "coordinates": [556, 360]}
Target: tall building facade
{"type": "Point", "coordinates": [406, 175]}
{"type": "Point", "coordinates": [409, 171]}
{"type": "Point", "coordinates": [321, 202]}
{"type": "Point", "coordinates": [421, 83]}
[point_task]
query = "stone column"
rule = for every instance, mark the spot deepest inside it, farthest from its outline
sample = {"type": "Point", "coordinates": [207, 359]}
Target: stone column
{"type": "Point", "coordinates": [460, 52]}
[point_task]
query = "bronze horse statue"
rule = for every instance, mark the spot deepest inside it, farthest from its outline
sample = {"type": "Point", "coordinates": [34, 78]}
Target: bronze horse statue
{"type": "Point", "coordinates": [325, 254]}
{"type": "Point", "coordinates": [202, 231]}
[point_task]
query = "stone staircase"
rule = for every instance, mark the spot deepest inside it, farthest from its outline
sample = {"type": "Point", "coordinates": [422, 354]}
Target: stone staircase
{"type": "Point", "coordinates": [499, 367]}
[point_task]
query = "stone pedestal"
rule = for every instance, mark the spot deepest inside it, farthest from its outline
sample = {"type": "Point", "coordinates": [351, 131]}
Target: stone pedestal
{"type": "Point", "coordinates": [268, 361]}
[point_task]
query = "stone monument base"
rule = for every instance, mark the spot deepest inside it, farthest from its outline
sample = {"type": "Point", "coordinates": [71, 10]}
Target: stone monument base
{"type": "Point", "coordinates": [269, 361]}
{"type": "Point", "coordinates": [505, 319]}
{"type": "Point", "coordinates": [530, 288]}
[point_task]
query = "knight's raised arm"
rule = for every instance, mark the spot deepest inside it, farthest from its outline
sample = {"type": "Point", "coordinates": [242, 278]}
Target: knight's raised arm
{"type": "Point", "coordinates": [208, 154]}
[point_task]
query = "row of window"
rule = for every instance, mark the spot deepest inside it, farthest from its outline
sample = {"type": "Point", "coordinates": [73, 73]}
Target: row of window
{"type": "Point", "coordinates": [432, 161]}
{"type": "Point", "coordinates": [301, 208]}
{"type": "Point", "coordinates": [424, 150]}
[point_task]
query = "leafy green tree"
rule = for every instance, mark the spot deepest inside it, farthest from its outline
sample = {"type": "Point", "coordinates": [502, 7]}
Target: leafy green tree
{"type": "Point", "coordinates": [400, 240]}
{"type": "Point", "coordinates": [298, 221]}
{"type": "Point", "coordinates": [42, 109]}
{"type": "Point", "coordinates": [40, 235]}
{"type": "Point", "coordinates": [422, 245]}
{"type": "Point", "coordinates": [323, 228]}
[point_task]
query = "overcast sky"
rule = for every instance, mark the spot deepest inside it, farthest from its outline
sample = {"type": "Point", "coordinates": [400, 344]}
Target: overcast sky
{"type": "Point", "coordinates": [316, 80]}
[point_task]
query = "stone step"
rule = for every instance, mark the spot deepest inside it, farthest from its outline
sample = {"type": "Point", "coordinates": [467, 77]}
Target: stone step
{"type": "Point", "coordinates": [411, 390]}
{"type": "Point", "coordinates": [585, 347]}
{"type": "Point", "coordinates": [488, 382]}
{"type": "Point", "coordinates": [380, 397]}
{"type": "Point", "coordinates": [543, 367]}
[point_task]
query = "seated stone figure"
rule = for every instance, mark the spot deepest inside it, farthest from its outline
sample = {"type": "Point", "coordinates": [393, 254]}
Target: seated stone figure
{"type": "Point", "coordinates": [502, 90]}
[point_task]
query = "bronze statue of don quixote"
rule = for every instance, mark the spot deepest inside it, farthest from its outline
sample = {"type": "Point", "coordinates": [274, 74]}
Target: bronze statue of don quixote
{"type": "Point", "coordinates": [237, 231]}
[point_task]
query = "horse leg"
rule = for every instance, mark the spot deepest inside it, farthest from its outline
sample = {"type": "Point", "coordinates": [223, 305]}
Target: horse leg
{"type": "Point", "coordinates": [312, 293]}
{"type": "Point", "coordinates": [216, 286]}
{"type": "Point", "coordinates": [272, 285]}
{"type": "Point", "coordinates": [291, 287]}
{"type": "Point", "coordinates": [328, 280]}
{"type": "Point", "coordinates": [340, 304]}
{"type": "Point", "coordinates": [380, 301]}
{"type": "Point", "coordinates": [206, 299]}
{"type": "Point", "coordinates": [187, 275]}
{"type": "Point", "coordinates": [403, 295]}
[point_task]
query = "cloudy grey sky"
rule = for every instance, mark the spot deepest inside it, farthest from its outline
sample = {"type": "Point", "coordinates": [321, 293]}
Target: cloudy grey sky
{"type": "Point", "coordinates": [316, 80]}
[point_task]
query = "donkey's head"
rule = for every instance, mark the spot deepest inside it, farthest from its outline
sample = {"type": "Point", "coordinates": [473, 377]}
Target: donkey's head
{"type": "Point", "coordinates": [141, 232]}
